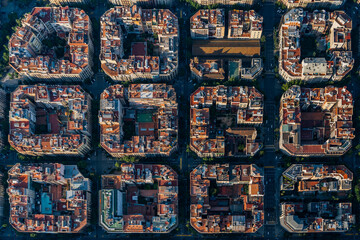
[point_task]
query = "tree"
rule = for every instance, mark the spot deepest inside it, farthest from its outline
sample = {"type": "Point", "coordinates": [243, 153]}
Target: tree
{"type": "Point", "coordinates": [357, 192]}
{"type": "Point", "coordinates": [241, 147]}
{"type": "Point", "coordinates": [231, 80]}
{"type": "Point", "coordinates": [5, 56]}
{"type": "Point", "coordinates": [357, 147]}
{"type": "Point", "coordinates": [288, 85]}
{"type": "Point", "coordinates": [263, 39]}
{"type": "Point", "coordinates": [21, 157]}
{"type": "Point", "coordinates": [213, 192]}
{"type": "Point", "coordinates": [206, 159]}
{"type": "Point", "coordinates": [117, 165]}
{"type": "Point", "coordinates": [129, 159]}
{"type": "Point", "coordinates": [188, 150]}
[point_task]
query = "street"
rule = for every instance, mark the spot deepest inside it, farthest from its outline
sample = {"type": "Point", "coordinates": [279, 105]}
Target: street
{"type": "Point", "coordinates": [98, 162]}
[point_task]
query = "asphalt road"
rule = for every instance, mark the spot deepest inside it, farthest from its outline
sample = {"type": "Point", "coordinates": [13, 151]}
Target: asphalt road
{"type": "Point", "coordinates": [99, 162]}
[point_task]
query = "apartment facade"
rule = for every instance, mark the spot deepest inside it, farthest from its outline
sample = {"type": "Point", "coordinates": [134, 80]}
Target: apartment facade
{"type": "Point", "coordinates": [31, 57]}
{"type": "Point", "coordinates": [241, 69]}
{"type": "Point", "coordinates": [148, 3]}
{"type": "Point", "coordinates": [316, 121]}
{"type": "Point", "coordinates": [314, 207]}
{"type": "Point", "coordinates": [312, 178]}
{"type": "Point", "coordinates": [333, 31]}
{"type": "Point", "coordinates": [208, 24]}
{"type": "Point", "coordinates": [244, 24]}
{"type": "Point", "coordinates": [223, 121]}
{"type": "Point", "coordinates": [48, 198]}
{"type": "Point", "coordinates": [142, 198]}
{"type": "Point", "coordinates": [69, 2]}
{"type": "Point", "coordinates": [3, 106]}
{"type": "Point", "coordinates": [331, 4]}
{"type": "Point", "coordinates": [227, 2]}
{"type": "Point", "coordinates": [308, 218]}
{"type": "Point", "coordinates": [207, 69]}
{"type": "Point", "coordinates": [50, 120]}
{"type": "Point", "coordinates": [140, 64]}
{"type": "Point", "coordinates": [227, 198]}
{"type": "Point", "coordinates": [214, 51]}
{"type": "Point", "coordinates": [141, 120]}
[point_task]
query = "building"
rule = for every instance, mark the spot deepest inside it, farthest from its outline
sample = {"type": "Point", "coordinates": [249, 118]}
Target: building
{"type": "Point", "coordinates": [50, 120]}
{"type": "Point", "coordinates": [226, 198]}
{"type": "Point", "coordinates": [216, 46]}
{"type": "Point", "coordinates": [3, 103]}
{"type": "Point", "coordinates": [245, 24]}
{"type": "Point", "coordinates": [227, 2]}
{"type": "Point", "coordinates": [226, 48]}
{"type": "Point", "coordinates": [333, 33]}
{"type": "Point", "coordinates": [53, 44]}
{"type": "Point", "coordinates": [48, 198]}
{"type": "Point", "coordinates": [330, 4]}
{"type": "Point", "coordinates": [316, 121]}
{"type": "Point", "coordinates": [223, 121]}
{"type": "Point", "coordinates": [69, 2]}
{"type": "Point", "coordinates": [207, 69]}
{"type": "Point", "coordinates": [317, 217]}
{"type": "Point", "coordinates": [312, 178]}
{"type": "Point", "coordinates": [148, 3]}
{"type": "Point", "coordinates": [210, 24]}
{"type": "Point", "coordinates": [141, 120]}
{"type": "Point", "coordinates": [143, 198]}
{"type": "Point", "coordinates": [2, 199]}
{"type": "Point", "coordinates": [3, 107]}
{"type": "Point", "coordinates": [245, 69]}
{"type": "Point", "coordinates": [153, 58]}
{"type": "Point", "coordinates": [207, 24]}
{"type": "Point", "coordinates": [304, 182]}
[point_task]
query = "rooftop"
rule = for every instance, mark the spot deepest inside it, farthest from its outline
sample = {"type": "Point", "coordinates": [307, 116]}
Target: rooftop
{"type": "Point", "coordinates": [316, 121]}
{"type": "Point", "coordinates": [49, 120]}
{"type": "Point", "coordinates": [28, 54]}
{"type": "Point", "coordinates": [48, 198]}
{"type": "Point", "coordinates": [226, 48]}
{"type": "Point", "coordinates": [317, 217]}
{"type": "Point", "coordinates": [306, 178]}
{"type": "Point", "coordinates": [223, 120]}
{"type": "Point", "coordinates": [207, 69]}
{"type": "Point", "coordinates": [139, 120]}
{"type": "Point", "coordinates": [226, 198]}
{"type": "Point", "coordinates": [245, 24]}
{"type": "Point", "coordinates": [208, 23]}
{"type": "Point", "coordinates": [161, 28]}
{"type": "Point", "coordinates": [334, 27]}
{"type": "Point", "coordinates": [143, 198]}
